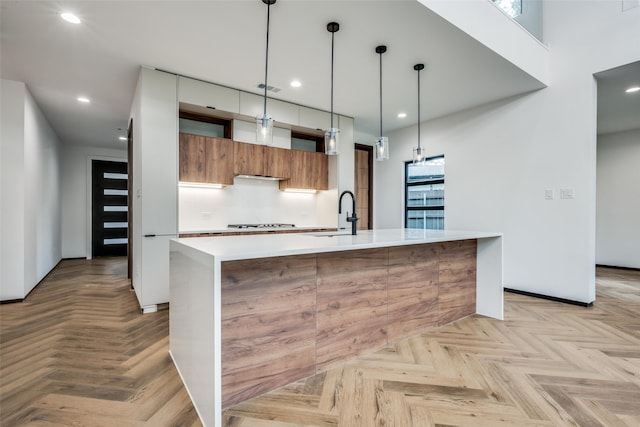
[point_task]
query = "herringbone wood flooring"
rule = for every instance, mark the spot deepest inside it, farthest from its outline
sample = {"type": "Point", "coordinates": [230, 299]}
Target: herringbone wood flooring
{"type": "Point", "coordinates": [77, 352]}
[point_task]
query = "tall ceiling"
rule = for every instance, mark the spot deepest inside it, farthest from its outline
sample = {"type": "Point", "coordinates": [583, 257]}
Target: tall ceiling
{"type": "Point", "coordinates": [224, 41]}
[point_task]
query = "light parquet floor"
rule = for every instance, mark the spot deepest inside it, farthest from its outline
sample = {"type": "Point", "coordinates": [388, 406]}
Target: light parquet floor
{"type": "Point", "coordinates": [77, 352]}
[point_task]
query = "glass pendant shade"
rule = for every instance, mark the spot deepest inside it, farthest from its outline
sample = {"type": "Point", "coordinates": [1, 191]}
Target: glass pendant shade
{"type": "Point", "coordinates": [382, 143]}
{"type": "Point", "coordinates": [418, 152]}
{"type": "Point", "coordinates": [264, 130]}
{"type": "Point", "coordinates": [382, 148]}
{"type": "Point", "coordinates": [418, 155]}
{"type": "Point", "coordinates": [331, 140]}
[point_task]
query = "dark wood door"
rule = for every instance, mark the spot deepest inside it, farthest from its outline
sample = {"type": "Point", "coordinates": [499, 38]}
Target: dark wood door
{"type": "Point", "coordinates": [363, 185]}
{"type": "Point", "coordinates": [109, 208]}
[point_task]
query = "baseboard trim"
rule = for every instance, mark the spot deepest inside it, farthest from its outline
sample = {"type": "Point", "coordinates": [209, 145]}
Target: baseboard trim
{"type": "Point", "coordinates": [618, 268]}
{"type": "Point", "coordinates": [548, 297]}
{"type": "Point", "coordinates": [13, 301]}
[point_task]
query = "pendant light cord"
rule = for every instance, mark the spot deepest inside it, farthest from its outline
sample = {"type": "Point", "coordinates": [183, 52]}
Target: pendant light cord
{"type": "Point", "coordinates": [380, 94]}
{"type": "Point", "coordinates": [266, 62]}
{"type": "Point", "coordinates": [332, 37]}
{"type": "Point", "coordinates": [419, 108]}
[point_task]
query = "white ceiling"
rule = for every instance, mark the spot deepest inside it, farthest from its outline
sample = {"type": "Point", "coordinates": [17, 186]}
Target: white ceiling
{"type": "Point", "coordinates": [223, 42]}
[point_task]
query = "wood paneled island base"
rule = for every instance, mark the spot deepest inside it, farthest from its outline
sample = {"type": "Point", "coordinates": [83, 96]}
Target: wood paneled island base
{"type": "Point", "coordinates": [287, 318]}
{"type": "Point", "coordinates": [284, 318]}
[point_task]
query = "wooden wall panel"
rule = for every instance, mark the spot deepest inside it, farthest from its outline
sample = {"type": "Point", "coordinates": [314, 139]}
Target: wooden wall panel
{"type": "Point", "coordinates": [351, 304]}
{"type": "Point", "coordinates": [268, 324]}
{"type": "Point", "coordinates": [457, 277]}
{"type": "Point", "coordinates": [413, 290]}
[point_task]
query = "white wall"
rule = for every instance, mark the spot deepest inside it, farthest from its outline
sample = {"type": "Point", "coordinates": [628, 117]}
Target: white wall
{"type": "Point", "coordinates": [76, 196]}
{"type": "Point", "coordinates": [618, 200]}
{"type": "Point", "coordinates": [500, 158]}
{"type": "Point", "coordinates": [31, 240]}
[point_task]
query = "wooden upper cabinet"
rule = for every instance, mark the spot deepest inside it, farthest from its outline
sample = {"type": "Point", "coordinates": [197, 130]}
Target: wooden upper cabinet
{"type": "Point", "coordinates": [308, 170]}
{"type": "Point", "coordinates": [277, 162]}
{"type": "Point", "coordinates": [206, 159]}
{"type": "Point", "coordinates": [260, 160]}
{"type": "Point", "coordinates": [219, 163]}
{"type": "Point", "coordinates": [248, 159]}
{"type": "Point", "coordinates": [192, 158]}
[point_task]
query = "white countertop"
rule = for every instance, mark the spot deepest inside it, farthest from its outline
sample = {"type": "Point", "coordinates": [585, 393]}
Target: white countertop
{"type": "Point", "coordinates": [228, 248]}
{"type": "Point", "coordinates": [254, 229]}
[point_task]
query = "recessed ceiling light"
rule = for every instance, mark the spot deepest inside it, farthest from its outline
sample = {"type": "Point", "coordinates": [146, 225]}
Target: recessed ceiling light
{"type": "Point", "coordinates": [70, 17]}
{"type": "Point", "coordinates": [402, 115]}
{"type": "Point", "coordinates": [296, 83]}
{"type": "Point", "coordinates": [633, 89]}
{"type": "Point", "coordinates": [122, 138]}
{"type": "Point", "coordinates": [84, 99]}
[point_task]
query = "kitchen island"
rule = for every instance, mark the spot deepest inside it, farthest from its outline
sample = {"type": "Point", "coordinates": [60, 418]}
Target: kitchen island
{"type": "Point", "coordinates": [249, 314]}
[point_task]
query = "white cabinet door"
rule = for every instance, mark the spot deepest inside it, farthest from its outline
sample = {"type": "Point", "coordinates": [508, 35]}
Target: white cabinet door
{"type": "Point", "coordinates": [251, 105]}
{"type": "Point", "coordinates": [316, 119]}
{"type": "Point", "coordinates": [208, 95]}
{"type": "Point", "coordinates": [283, 112]}
{"type": "Point", "coordinates": [154, 272]}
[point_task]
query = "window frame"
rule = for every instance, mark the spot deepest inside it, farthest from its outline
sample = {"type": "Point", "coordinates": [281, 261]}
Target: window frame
{"type": "Point", "coordinates": [317, 138]}
{"type": "Point", "coordinates": [407, 185]}
{"type": "Point", "coordinates": [225, 123]}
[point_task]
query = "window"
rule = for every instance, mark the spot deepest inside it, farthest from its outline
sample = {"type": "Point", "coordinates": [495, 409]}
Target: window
{"type": "Point", "coordinates": [203, 125]}
{"type": "Point", "coordinates": [513, 8]}
{"type": "Point", "coordinates": [424, 194]}
{"type": "Point", "coordinates": [307, 142]}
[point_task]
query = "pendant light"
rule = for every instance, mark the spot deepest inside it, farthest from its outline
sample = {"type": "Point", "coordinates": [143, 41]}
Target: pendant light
{"type": "Point", "coordinates": [331, 136]}
{"type": "Point", "coordinates": [382, 143]}
{"type": "Point", "coordinates": [418, 153]}
{"type": "Point", "coordinates": [264, 123]}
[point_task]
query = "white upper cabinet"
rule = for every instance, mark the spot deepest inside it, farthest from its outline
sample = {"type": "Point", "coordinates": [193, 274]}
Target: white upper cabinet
{"type": "Point", "coordinates": [252, 105]}
{"type": "Point", "coordinates": [316, 119]}
{"type": "Point", "coordinates": [283, 112]}
{"type": "Point", "coordinates": [208, 95]}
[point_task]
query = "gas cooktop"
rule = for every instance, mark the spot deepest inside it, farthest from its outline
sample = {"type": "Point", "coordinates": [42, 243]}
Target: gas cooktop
{"type": "Point", "coordinates": [277, 225]}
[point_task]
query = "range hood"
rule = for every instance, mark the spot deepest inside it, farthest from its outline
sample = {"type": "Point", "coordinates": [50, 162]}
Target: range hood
{"type": "Point", "coordinates": [260, 177]}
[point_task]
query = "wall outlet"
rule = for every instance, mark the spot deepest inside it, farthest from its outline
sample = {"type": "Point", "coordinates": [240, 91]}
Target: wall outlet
{"type": "Point", "coordinates": [566, 193]}
{"type": "Point", "coordinates": [548, 194]}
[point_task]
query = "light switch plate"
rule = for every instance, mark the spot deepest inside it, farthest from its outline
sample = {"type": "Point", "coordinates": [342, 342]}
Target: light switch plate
{"type": "Point", "coordinates": [548, 194]}
{"type": "Point", "coordinates": [566, 193]}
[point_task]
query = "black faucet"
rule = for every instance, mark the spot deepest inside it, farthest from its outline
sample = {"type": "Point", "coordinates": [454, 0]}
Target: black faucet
{"type": "Point", "coordinates": [353, 218]}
